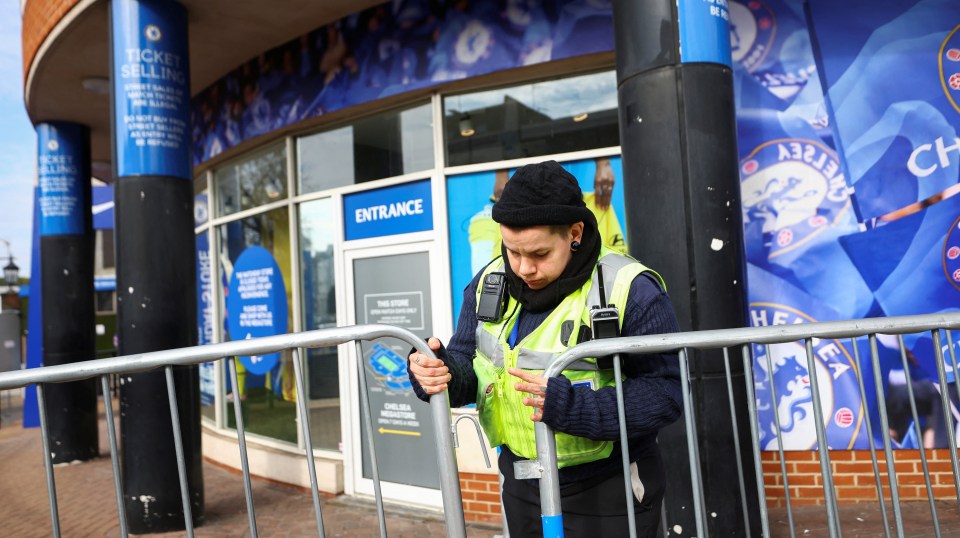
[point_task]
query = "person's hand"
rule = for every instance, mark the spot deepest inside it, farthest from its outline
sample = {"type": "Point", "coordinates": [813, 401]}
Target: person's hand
{"type": "Point", "coordinates": [603, 181]}
{"type": "Point", "coordinates": [431, 373]}
{"type": "Point", "coordinates": [534, 385]}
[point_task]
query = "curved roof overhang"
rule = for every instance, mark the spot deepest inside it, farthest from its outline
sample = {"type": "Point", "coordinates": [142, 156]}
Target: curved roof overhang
{"type": "Point", "coordinates": [222, 35]}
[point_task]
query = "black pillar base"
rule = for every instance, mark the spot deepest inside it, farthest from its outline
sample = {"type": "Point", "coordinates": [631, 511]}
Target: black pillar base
{"type": "Point", "coordinates": [682, 189]}
{"type": "Point", "coordinates": [66, 274]}
{"type": "Point", "coordinates": [156, 310]}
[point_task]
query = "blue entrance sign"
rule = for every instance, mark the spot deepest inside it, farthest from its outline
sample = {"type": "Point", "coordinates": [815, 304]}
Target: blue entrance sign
{"type": "Point", "coordinates": [704, 31]}
{"type": "Point", "coordinates": [62, 154]}
{"type": "Point", "coordinates": [152, 88]}
{"type": "Point", "coordinates": [393, 210]}
{"type": "Point", "coordinates": [256, 304]}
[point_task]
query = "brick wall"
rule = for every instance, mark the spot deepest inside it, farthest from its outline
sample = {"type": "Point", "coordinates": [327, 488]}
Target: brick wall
{"type": "Point", "coordinates": [39, 17]}
{"type": "Point", "coordinates": [481, 497]}
{"type": "Point", "coordinates": [853, 476]}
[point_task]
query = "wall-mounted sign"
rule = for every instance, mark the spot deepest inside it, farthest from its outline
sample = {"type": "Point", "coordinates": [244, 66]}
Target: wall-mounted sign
{"type": "Point", "coordinates": [151, 88]}
{"type": "Point", "coordinates": [62, 152]}
{"type": "Point", "coordinates": [389, 211]}
{"type": "Point", "coordinates": [256, 304]}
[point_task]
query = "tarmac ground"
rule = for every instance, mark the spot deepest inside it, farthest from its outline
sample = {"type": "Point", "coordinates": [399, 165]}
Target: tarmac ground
{"type": "Point", "coordinates": [87, 505]}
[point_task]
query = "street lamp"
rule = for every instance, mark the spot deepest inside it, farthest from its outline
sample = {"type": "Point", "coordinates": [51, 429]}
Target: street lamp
{"type": "Point", "coordinates": [11, 273]}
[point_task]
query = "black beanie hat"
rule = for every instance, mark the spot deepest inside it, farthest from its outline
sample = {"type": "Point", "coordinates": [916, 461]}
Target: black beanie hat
{"type": "Point", "coordinates": [541, 194]}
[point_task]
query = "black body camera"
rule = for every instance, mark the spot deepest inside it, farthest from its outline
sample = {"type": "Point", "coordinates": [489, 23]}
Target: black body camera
{"type": "Point", "coordinates": [604, 321]}
{"type": "Point", "coordinates": [493, 297]}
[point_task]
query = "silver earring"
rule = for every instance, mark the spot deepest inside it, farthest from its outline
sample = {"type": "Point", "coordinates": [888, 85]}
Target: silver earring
{"type": "Point", "coordinates": [575, 245]}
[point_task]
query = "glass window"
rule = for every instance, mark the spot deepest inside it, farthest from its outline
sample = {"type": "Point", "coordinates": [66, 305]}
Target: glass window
{"type": "Point", "coordinates": [256, 180]}
{"type": "Point", "coordinates": [317, 231]}
{"type": "Point", "coordinates": [105, 302]}
{"type": "Point", "coordinates": [377, 147]}
{"type": "Point", "coordinates": [542, 118]}
{"type": "Point", "coordinates": [269, 400]}
{"type": "Point", "coordinates": [104, 254]}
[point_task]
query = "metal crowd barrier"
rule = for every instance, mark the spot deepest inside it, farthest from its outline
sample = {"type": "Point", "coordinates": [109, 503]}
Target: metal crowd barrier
{"type": "Point", "coordinates": [545, 466]}
{"type": "Point", "coordinates": [103, 368]}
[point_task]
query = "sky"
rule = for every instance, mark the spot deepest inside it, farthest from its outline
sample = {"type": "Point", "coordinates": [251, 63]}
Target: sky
{"type": "Point", "coordinates": [18, 145]}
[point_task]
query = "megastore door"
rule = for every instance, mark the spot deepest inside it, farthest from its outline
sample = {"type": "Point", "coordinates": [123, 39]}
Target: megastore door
{"type": "Point", "coordinates": [392, 285]}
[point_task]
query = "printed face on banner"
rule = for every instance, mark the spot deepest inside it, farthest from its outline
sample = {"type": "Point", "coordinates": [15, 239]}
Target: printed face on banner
{"type": "Point", "coordinates": [475, 238]}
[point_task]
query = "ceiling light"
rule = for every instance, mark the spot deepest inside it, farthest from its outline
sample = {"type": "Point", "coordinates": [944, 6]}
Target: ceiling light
{"type": "Point", "coordinates": [97, 85]}
{"type": "Point", "coordinates": [466, 126]}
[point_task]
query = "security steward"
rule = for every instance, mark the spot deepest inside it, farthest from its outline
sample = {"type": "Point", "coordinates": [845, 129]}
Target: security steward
{"type": "Point", "coordinates": [549, 277]}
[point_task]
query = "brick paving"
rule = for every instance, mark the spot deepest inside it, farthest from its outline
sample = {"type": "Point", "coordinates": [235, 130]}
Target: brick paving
{"type": "Point", "coordinates": [87, 506]}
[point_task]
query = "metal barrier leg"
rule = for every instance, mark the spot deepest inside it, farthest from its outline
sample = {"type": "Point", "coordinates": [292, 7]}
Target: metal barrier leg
{"type": "Point", "coordinates": [693, 448]}
{"type": "Point", "coordinates": [178, 445]}
{"type": "Point", "coordinates": [885, 424]}
{"type": "Point", "coordinates": [307, 440]}
{"type": "Point", "coordinates": [112, 437]}
{"type": "Point", "coordinates": [48, 462]}
{"type": "Point", "coordinates": [367, 413]}
{"type": "Point", "coordinates": [826, 472]}
{"type": "Point", "coordinates": [755, 436]}
{"type": "Point", "coordinates": [919, 433]}
{"type": "Point", "coordinates": [551, 514]}
{"type": "Point", "coordinates": [776, 422]}
{"type": "Point", "coordinates": [242, 443]}
{"type": "Point", "coordinates": [947, 414]}
{"type": "Point", "coordinates": [624, 447]}
{"type": "Point", "coordinates": [736, 442]}
{"type": "Point", "coordinates": [873, 449]}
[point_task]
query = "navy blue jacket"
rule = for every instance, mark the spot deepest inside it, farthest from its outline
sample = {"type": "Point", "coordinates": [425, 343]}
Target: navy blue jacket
{"type": "Point", "coordinates": [652, 395]}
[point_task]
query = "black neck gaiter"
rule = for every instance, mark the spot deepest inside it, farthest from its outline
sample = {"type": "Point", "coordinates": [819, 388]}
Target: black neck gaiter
{"type": "Point", "coordinates": [574, 275]}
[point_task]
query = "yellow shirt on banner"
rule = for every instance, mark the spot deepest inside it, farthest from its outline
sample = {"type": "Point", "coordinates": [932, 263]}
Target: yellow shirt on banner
{"type": "Point", "coordinates": [608, 224]}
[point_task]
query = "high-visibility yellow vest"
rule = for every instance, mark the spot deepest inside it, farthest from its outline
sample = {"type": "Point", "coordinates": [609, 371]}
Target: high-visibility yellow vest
{"type": "Point", "coordinates": [505, 419]}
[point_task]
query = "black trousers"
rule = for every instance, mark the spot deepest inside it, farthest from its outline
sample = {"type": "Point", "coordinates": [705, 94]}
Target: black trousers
{"type": "Point", "coordinates": [590, 509]}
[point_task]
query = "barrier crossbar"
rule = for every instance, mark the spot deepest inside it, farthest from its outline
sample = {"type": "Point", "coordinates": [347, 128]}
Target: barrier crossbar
{"type": "Point", "coordinates": [167, 359]}
{"type": "Point", "coordinates": [545, 466]}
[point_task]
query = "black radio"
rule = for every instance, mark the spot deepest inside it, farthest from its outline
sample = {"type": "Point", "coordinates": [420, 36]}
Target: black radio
{"type": "Point", "coordinates": [493, 298]}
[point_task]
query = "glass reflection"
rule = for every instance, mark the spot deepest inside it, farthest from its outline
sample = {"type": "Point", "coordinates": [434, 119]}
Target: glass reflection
{"type": "Point", "coordinates": [555, 116]}
{"type": "Point", "coordinates": [317, 230]}
{"type": "Point", "coordinates": [377, 147]}
{"type": "Point", "coordinates": [259, 179]}
{"type": "Point", "coordinates": [268, 401]}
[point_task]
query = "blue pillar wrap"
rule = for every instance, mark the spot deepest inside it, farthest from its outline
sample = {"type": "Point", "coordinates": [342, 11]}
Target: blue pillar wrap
{"type": "Point", "coordinates": [151, 93]}
{"type": "Point", "coordinates": [61, 160]}
{"type": "Point", "coordinates": [552, 526]}
{"type": "Point", "coordinates": [704, 31]}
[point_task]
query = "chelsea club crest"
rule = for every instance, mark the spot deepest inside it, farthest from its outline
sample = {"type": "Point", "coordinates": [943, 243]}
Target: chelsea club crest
{"type": "Point", "coordinates": [793, 189]}
{"type": "Point", "coordinates": [785, 396]}
{"type": "Point", "coordinates": [949, 61]}
{"type": "Point", "coordinates": [951, 254]}
{"type": "Point", "coordinates": [752, 28]}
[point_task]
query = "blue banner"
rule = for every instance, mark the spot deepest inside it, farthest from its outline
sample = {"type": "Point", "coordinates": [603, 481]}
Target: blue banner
{"type": "Point", "coordinates": [393, 210]}
{"type": "Point", "coordinates": [103, 207]}
{"type": "Point", "coordinates": [891, 72]}
{"type": "Point", "coordinates": [34, 348]}
{"type": "Point", "coordinates": [256, 304]}
{"type": "Point", "coordinates": [475, 237]}
{"type": "Point", "coordinates": [205, 319]}
{"type": "Point", "coordinates": [62, 157]}
{"type": "Point", "coordinates": [151, 95]}
{"type": "Point", "coordinates": [704, 31]}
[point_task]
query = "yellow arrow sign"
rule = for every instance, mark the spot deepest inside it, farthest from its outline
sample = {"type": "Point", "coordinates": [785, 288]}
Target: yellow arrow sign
{"type": "Point", "coordinates": [399, 432]}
